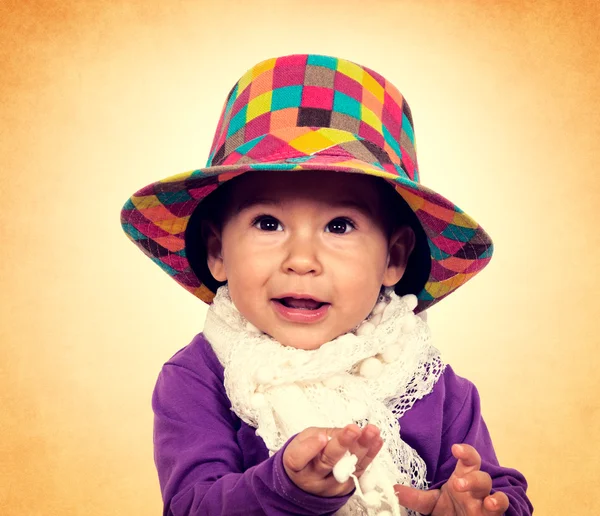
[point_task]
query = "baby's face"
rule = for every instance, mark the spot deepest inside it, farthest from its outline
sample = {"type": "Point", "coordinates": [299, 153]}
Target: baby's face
{"type": "Point", "coordinates": [305, 254]}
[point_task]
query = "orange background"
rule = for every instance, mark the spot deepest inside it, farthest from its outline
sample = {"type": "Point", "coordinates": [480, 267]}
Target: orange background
{"type": "Point", "coordinates": [99, 98]}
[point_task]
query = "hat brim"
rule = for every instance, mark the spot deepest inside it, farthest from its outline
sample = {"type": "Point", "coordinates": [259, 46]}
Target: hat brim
{"type": "Point", "coordinates": [155, 218]}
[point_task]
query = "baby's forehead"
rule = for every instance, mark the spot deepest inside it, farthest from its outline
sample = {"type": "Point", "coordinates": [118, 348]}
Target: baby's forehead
{"type": "Point", "coordinates": [326, 187]}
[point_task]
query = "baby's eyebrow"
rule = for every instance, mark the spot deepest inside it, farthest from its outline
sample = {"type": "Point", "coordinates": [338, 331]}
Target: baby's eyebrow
{"type": "Point", "coordinates": [253, 201]}
{"type": "Point", "coordinates": [343, 203]}
{"type": "Point", "coordinates": [360, 206]}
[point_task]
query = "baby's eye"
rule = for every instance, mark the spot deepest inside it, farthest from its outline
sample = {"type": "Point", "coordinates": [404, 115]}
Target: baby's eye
{"type": "Point", "coordinates": [340, 226]}
{"type": "Point", "coordinates": [267, 223]}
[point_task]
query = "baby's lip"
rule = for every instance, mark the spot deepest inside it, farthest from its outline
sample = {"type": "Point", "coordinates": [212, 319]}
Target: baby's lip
{"type": "Point", "coordinates": [296, 295]}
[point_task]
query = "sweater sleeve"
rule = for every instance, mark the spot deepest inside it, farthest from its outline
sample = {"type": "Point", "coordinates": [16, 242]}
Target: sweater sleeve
{"type": "Point", "coordinates": [199, 461]}
{"type": "Point", "coordinates": [465, 424]}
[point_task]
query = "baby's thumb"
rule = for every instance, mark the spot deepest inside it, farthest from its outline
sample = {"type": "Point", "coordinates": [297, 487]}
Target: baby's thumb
{"type": "Point", "coordinates": [417, 500]}
{"type": "Point", "coordinates": [302, 450]}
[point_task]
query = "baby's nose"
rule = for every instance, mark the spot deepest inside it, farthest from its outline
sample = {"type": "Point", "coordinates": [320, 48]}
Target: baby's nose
{"type": "Point", "coordinates": [302, 256]}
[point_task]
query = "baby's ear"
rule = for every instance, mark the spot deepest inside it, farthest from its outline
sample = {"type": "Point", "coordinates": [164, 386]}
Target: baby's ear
{"type": "Point", "coordinates": [214, 258]}
{"type": "Point", "coordinates": [402, 243]}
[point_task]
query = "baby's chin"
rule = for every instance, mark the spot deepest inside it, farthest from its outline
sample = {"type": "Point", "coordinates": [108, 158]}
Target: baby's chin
{"type": "Point", "coordinates": [302, 344]}
{"type": "Point", "coordinates": [309, 339]}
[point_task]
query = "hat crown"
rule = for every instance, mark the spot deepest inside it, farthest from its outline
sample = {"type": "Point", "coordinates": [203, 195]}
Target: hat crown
{"type": "Point", "coordinates": [307, 104]}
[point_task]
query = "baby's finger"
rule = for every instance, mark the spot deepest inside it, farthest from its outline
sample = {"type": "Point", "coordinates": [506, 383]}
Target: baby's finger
{"type": "Point", "coordinates": [373, 443]}
{"type": "Point", "coordinates": [369, 433]}
{"type": "Point", "coordinates": [335, 449]}
{"type": "Point", "coordinates": [496, 504]}
{"type": "Point", "coordinates": [301, 451]}
{"type": "Point", "coordinates": [477, 483]}
{"type": "Point", "coordinates": [468, 459]}
{"type": "Point", "coordinates": [417, 500]}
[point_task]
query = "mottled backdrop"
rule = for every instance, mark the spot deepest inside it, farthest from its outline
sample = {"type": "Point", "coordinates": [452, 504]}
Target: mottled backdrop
{"type": "Point", "coordinates": [99, 98]}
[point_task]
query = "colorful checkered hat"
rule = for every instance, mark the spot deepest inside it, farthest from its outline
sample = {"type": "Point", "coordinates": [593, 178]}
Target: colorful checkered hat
{"type": "Point", "coordinates": [309, 112]}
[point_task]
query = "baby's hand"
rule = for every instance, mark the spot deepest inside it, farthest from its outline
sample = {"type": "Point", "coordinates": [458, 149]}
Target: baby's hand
{"type": "Point", "coordinates": [466, 492]}
{"type": "Point", "coordinates": [309, 458]}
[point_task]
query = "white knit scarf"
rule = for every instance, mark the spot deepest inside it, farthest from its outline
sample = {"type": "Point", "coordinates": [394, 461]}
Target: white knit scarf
{"type": "Point", "coordinates": [371, 375]}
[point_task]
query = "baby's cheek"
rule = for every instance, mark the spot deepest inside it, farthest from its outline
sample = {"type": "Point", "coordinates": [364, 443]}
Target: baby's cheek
{"type": "Point", "coordinates": [246, 269]}
{"type": "Point", "coordinates": [362, 276]}
{"type": "Point", "coordinates": [360, 294]}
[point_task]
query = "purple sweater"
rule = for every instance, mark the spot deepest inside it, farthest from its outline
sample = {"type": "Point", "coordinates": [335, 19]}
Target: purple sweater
{"type": "Point", "coordinates": [211, 463]}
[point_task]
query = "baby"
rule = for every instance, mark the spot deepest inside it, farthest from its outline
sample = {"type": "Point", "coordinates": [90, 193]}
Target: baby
{"type": "Point", "coordinates": [315, 387]}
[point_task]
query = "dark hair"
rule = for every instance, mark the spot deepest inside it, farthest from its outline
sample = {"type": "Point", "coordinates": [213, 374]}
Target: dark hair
{"type": "Point", "coordinates": [213, 207]}
{"type": "Point", "coordinates": [419, 262]}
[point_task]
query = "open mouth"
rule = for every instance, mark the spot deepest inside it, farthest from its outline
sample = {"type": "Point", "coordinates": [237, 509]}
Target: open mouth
{"type": "Point", "coordinates": [300, 304]}
{"type": "Point", "coordinates": [300, 309]}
